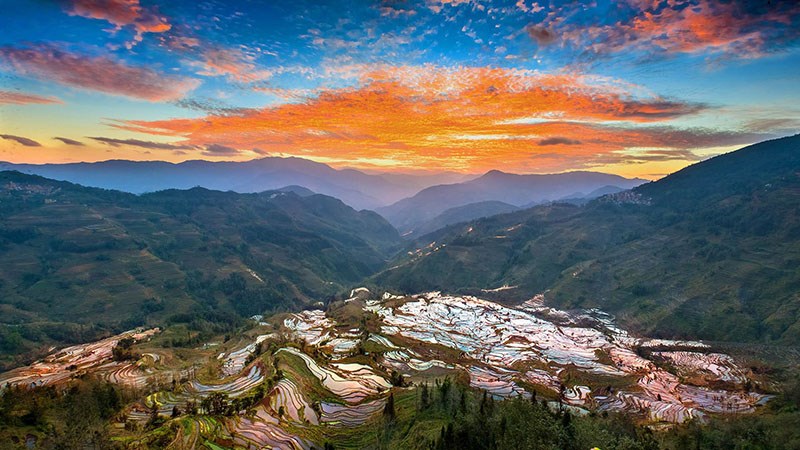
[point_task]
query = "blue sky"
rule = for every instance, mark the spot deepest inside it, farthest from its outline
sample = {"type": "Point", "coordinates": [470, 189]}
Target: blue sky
{"type": "Point", "coordinates": [636, 87]}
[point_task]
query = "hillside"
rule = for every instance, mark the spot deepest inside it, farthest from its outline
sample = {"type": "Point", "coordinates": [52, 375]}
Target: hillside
{"type": "Point", "coordinates": [517, 190]}
{"type": "Point", "coordinates": [463, 213]}
{"type": "Point", "coordinates": [78, 262]}
{"type": "Point", "coordinates": [709, 252]}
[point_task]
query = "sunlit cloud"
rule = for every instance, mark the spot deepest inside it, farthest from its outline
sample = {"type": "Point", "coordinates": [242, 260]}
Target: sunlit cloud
{"type": "Point", "coordinates": [733, 28]}
{"type": "Point", "coordinates": [458, 118]}
{"type": "Point", "coordinates": [121, 14]}
{"type": "Point", "coordinates": [97, 73]}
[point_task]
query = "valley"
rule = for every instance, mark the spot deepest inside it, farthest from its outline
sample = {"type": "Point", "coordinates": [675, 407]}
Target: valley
{"type": "Point", "coordinates": [219, 320]}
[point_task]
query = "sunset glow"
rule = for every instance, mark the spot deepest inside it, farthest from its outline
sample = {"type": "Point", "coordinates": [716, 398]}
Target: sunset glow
{"type": "Point", "coordinates": [638, 88]}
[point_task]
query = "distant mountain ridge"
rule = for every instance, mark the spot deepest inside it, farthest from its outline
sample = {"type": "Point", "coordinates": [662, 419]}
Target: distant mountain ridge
{"type": "Point", "coordinates": [358, 189]}
{"type": "Point", "coordinates": [460, 214]}
{"type": "Point", "coordinates": [517, 190]}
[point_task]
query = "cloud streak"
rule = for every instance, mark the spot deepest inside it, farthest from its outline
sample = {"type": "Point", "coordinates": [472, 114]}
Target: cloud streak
{"type": "Point", "coordinates": [140, 143]}
{"type": "Point", "coordinates": [69, 141]}
{"type": "Point", "coordinates": [559, 140]}
{"type": "Point", "coordinates": [99, 73]}
{"type": "Point", "coordinates": [21, 98]}
{"type": "Point", "coordinates": [21, 140]}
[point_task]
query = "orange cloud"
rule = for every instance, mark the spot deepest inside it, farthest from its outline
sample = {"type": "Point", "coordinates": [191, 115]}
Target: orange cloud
{"type": "Point", "coordinates": [95, 73]}
{"type": "Point", "coordinates": [20, 98]}
{"type": "Point", "coordinates": [122, 13]}
{"type": "Point", "coordinates": [467, 119]}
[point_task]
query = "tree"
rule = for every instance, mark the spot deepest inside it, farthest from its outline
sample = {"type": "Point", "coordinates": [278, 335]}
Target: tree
{"type": "Point", "coordinates": [425, 400]}
{"type": "Point", "coordinates": [124, 350]}
{"type": "Point", "coordinates": [388, 409]}
{"type": "Point", "coordinates": [155, 419]}
{"type": "Point", "coordinates": [191, 408]}
{"type": "Point", "coordinates": [215, 404]}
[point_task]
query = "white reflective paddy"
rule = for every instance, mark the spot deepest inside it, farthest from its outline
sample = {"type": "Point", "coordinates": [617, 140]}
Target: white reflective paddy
{"type": "Point", "coordinates": [499, 340]}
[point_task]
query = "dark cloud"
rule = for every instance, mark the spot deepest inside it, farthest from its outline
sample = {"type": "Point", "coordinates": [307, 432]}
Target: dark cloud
{"type": "Point", "coordinates": [69, 141]}
{"type": "Point", "coordinates": [540, 34]}
{"type": "Point", "coordinates": [773, 124]}
{"type": "Point", "coordinates": [559, 140]}
{"type": "Point", "coordinates": [212, 107]}
{"type": "Point", "coordinates": [143, 144]}
{"type": "Point", "coordinates": [22, 140]}
{"type": "Point", "coordinates": [220, 150]}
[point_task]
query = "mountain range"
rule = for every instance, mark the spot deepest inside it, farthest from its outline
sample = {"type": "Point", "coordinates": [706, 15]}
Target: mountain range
{"type": "Point", "coordinates": [415, 203]}
{"type": "Point", "coordinates": [358, 189]}
{"type": "Point", "coordinates": [415, 215]}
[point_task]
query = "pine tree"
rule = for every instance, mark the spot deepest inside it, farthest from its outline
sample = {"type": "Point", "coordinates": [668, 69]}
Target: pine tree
{"type": "Point", "coordinates": [424, 396]}
{"type": "Point", "coordinates": [388, 409]}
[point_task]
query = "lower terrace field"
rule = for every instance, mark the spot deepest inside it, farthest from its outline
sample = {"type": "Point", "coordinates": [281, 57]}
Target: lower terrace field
{"type": "Point", "coordinates": [334, 376]}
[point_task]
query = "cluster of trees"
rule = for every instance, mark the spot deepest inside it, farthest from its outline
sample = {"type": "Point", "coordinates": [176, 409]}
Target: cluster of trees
{"type": "Point", "coordinates": [75, 416]}
{"type": "Point", "coordinates": [123, 351]}
{"type": "Point", "coordinates": [466, 419]}
{"type": "Point", "coordinates": [219, 404]}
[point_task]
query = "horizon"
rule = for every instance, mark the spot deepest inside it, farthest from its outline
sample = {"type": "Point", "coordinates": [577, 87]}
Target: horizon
{"type": "Point", "coordinates": [637, 89]}
{"type": "Point", "coordinates": [369, 171]}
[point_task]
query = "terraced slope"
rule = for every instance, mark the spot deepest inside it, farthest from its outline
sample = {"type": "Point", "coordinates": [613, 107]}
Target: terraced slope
{"type": "Point", "coordinates": [709, 252]}
{"type": "Point", "coordinates": [303, 391]}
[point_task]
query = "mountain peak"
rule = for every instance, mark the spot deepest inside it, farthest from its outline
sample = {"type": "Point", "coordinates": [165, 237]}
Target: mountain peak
{"type": "Point", "coordinates": [495, 174]}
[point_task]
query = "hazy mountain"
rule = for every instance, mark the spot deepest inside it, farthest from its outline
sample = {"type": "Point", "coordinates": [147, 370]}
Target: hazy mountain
{"type": "Point", "coordinates": [110, 260]}
{"type": "Point", "coordinates": [357, 189]}
{"type": "Point", "coordinates": [579, 198]}
{"type": "Point", "coordinates": [518, 190]}
{"type": "Point", "coordinates": [462, 214]}
{"type": "Point", "coordinates": [299, 190]}
{"type": "Point", "coordinates": [711, 251]}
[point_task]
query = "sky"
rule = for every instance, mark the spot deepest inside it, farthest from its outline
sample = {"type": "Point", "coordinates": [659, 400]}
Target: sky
{"type": "Point", "coordinates": [633, 87]}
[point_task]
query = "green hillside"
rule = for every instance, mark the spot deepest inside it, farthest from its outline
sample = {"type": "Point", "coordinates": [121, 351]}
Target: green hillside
{"type": "Point", "coordinates": [79, 262]}
{"type": "Point", "coordinates": [709, 252]}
